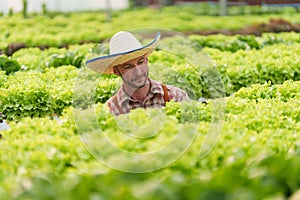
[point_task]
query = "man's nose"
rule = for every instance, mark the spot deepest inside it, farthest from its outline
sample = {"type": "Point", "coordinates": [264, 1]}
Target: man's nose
{"type": "Point", "coordinates": [137, 68]}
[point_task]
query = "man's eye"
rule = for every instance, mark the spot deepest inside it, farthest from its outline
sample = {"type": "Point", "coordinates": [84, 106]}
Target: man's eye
{"type": "Point", "coordinates": [127, 67]}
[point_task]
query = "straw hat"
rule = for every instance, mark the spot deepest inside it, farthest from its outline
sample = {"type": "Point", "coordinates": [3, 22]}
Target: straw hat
{"type": "Point", "coordinates": [123, 47]}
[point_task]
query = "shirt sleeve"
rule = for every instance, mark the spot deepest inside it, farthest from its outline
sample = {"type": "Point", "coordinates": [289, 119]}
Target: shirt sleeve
{"type": "Point", "coordinates": [177, 94]}
{"type": "Point", "coordinates": [112, 107]}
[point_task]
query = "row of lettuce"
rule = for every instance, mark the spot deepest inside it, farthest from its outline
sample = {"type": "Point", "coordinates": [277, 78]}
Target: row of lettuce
{"type": "Point", "coordinates": [35, 58]}
{"type": "Point", "coordinates": [46, 80]}
{"type": "Point", "coordinates": [58, 30]}
{"type": "Point", "coordinates": [251, 124]}
{"type": "Point", "coordinates": [49, 159]}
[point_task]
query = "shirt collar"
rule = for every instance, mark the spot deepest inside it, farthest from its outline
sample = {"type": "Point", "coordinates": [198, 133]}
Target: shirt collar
{"type": "Point", "coordinates": [155, 87]}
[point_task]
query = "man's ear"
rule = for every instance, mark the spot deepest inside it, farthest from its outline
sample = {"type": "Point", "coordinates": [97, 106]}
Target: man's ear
{"type": "Point", "coordinates": [116, 71]}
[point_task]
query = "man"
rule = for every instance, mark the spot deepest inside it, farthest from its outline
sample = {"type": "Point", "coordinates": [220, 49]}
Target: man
{"type": "Point", "coordinates": [129, 60]}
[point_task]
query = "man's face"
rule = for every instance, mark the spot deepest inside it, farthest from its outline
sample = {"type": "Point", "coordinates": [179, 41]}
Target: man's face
{"type": "Point", "coordinates": [134, 72]}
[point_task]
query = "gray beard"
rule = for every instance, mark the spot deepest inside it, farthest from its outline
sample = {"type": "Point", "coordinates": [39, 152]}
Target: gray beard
{"type": "Point", "coordinates": [134, 85]}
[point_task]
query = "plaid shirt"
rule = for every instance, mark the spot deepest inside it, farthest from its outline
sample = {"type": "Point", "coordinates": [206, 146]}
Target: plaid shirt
{"type": "Point", "coordinates": [155, 98]}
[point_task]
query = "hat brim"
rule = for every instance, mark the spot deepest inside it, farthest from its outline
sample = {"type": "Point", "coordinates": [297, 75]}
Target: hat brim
{"type": "Point", "coordinates": [105, 64]}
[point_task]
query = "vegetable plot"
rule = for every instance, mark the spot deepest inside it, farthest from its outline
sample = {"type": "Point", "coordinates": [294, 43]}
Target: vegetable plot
{"type": "Point", "coordinates": [242, 145]}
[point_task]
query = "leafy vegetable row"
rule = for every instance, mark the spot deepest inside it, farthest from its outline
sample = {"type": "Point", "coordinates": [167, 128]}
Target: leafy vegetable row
{"type": "Point", "coordinates": [206, 72]}
{"type": "Point", "coordinates": [77, 28]}
{"type": "Point", "coordinates": [44, 153]}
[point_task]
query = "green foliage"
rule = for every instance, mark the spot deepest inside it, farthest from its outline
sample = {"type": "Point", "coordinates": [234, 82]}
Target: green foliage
{"type": "Point", "coordinates": [241, 42]}
{"type": "Point", "coordinates": [256, 153]}
{"type": "Point", "coordinates": [69, 58]}
{"type": "Point", "coordinates": [37, 95]}
{"type": "Point", "coordinates": [27, 99]}
{"type": "Point", "coordinates": [44, 8]}
{"type": "Point", "coordinates": [283, 92]}
{"type": "Point", "coordinates": [24, 9]}
{"type": "Point", "coordinates": [10, 12]}
{"type": "Point", "coordinates": [276, 63]}
{"type": "Point", "coordinates": [105, 89]}
{"type": "Point", "coordinates": [254, 156]}
{"type": "Point", "coordinates": [3, 78]}
{"type": "Point", "coordinates": [191, 111]}
{"type": "Point", "coordinates": [8, 65]}
{"type": "Point", "coordinates": [84, 27]}
{"type": "Point", "coordinates": [201, 72]}
{"type": "Point", "coordinates": [37, 59]}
